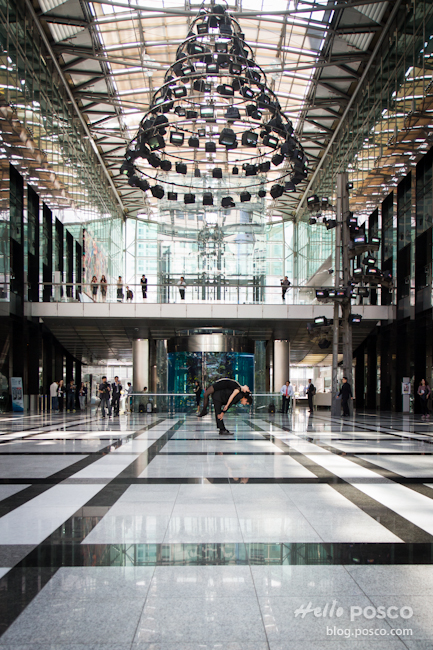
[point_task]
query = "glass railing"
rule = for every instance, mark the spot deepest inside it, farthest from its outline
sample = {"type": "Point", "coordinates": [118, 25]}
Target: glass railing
{"type": "Point", "coordinates": [193, 293]}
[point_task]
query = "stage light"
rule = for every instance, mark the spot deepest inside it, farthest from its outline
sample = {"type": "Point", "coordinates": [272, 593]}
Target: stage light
{"type": "Point", "coordinates": [249, 139]}
{"type": "Point", "coordinates": [172, 196]}
{"type": "Point", "coordinates": [322, 294]}
{"type": "Point", "coordinates": [210, 147]}
{"type": "Point", "coordinates": [181, 168]}
{"type": "Point", "coordinates": [276, 191]}
{"type": "Point", "coordinates": [321, 321]}
{"type": "Point", "coordinates": [252, 111]}
{"type": "Point", "coordinates": [154, 160]}
{"type": "Point", "coordinates": [313, 203]}
{"type": "Point", "coordinates": [207, 112]}
{"type": "Point", "coordinates": [199, 85]}
{"type": "Point", "coordinates": [180, 110]}
{"type": "Point", "coordinates": [177, 138]}
{"type": "Point", "coordinates": [232, 114]}
{"type": "Point", "coordinates": [264, 167]}
{"type": "Point", "coordinates": [349, 186]}
{"type": "Point", "coordinates": [245, 196]}
{"type": "Point", "coordinates": [195, 48]}
{"type": "Point", "coordinates": [330, 223]}
{"type": "Point", "coordinates": [141, 183]}
{"type": "Point", "coordinates": [207, 198]}
{"type": "Point", "coordinates": [225, 90]}
{"type": "Point", "coordinates": [193, 142]}
{"type": "Point", "coordinates": [277, 159]}
{"type": "Point", "coordinates": [370, 260]}
{"type": "Point", "coordinates": [270, 141]}
{"type": "Point", "coordinates": [247, 92]}
{"type": "Point", "coordinates": [212, 68]}
{"type": "Point", "coordinates": [250, 170]}
{"type": "Point", "coordinates": [127, 167]}
{"type": "Point", "coordinates": [156, 142]}
{"type": "Point", "coordinates": [312, 221]}
{"type": "Point", "coordinates": [374, 243]}
{"type": "Point", "coordinates": [221, 47]}
{"type": "Point", "coordinates": [351, 220]}
{"type": "Point", "coordinates": [157, 191]}
{"type": "Point", "coordinates": [235, 171]}
{"type": "Point", "coordinates": [197, 173]}
{"type": "Point", "coordinates": [191, 115]}
{"type": "Point", "coordinates": [189, 198]}
{"type": "Point", "coordinates": [324, 203]}
{"type": "Point", "coordinates": [217, 172]}
{"type": "Point", "coordinates": [324, 344]}
{"type": "Point", "coordinates": [227, 137]}
{"type": "Point", "coordinates": [235, 68]}
{"type": "Point", "coordinates": [202, 28]}
{"type": "Point", "coordinates": [331, 294]}
{"type": "Point", "coordinates": [187, 70]}
{"type": "Point", "coordinates": [289, 186]}
{"type": "Point", "coordinates": [355, 319]}
{"type": "Point", "coordinates": [225, 29]}
{"type": "Point", "coordinates": [180, 91]}
{"type": "Point", "coordinates": [358, 272]}
{"type": "Point", "coordinates": [227, 202]}
{"type": "Point", "coordinates": [201, 133]}
{"type": "Point", "coordinates": [373, 272]}
{"type": "Point", "coordinates": [165, 165]}
{"type": "Point", "coordinates": [363, 292]}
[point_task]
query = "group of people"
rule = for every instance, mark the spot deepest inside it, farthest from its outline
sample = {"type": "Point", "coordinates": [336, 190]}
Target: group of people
{"type": "Point", "coordinates": [101, 286]}
{"type": "Point", "coordinates": [58, 393]}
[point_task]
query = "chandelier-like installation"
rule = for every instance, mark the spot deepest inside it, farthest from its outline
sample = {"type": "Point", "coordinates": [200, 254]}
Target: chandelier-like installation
{"type": "Point", "coordinates": [214, 129]}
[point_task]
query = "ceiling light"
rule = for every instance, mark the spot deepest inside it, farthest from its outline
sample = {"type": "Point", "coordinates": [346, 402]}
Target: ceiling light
{"type": "Point", "coordinates": [276, 191]}
{"type": "Point", "coordinates": [191, 115]}
{"type": "Point", "coordinates": [235, 68]}
{"type": "Point", "coordinates": [165, 165]}
{"type": "Point", "coordinates": [277, 159]}
{"type": "Point", "coordinates": [249, 139]}
{"type": "Point", "coordinates": [264, 167]}
{"type": "Point", "coordinates": [250, 170]}
{"type": "Point", "coordinates": [207, 111]}
{"type": "Point", "coordinates": [180, 91]}
{"type": "Point", "coordinates": [193, 142]}
{"type": "Point", "coordinates": [156, 142]}
{"type": "Point", "coordinates": [235, 171]}
{"type": "Point", "coordinates": [197, 173]}
{"type": "Point", "coordinates": [245, 196]}
{"type": "Point", "coordinates": [157, 191]}
{"type": "Point", "coordinates": [181, 168]}
{"type": "Point", "coordinates": [212, 68]}
{"type": "Point", "coordinates": [270, 141]}
{"type": "Point", "coordinates": [210, 147]}
{"type": "Point", "coordinates": [227, 137]}
{"type": "Point", "coordinates": [227, 202]}
{"type": "Point", "coordinates": [207, 198]}
{"type": "Point", "coordinates": [226, 90]}
{"type": "Point", "coordinates": [189, 198]}
{"type": "Point", "coordinates": [172, 196]}
{"type": "Point", "coordinates": [177, 138]}
{"type": "Point", "coordinates": [217, 172]}
{"type": "Point", "coordinates": [232, 114]}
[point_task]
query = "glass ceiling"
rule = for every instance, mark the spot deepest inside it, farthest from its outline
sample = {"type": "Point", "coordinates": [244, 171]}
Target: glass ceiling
{"type": "Point", "coordinates": [116, 53]}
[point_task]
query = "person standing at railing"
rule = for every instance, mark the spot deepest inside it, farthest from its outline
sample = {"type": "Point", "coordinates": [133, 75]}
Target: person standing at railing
{"type": "Point", "coordinates": [287, 394]}
{"type": "Point", "coordinates": [129, 294]}
{"type": "Point", "coordinates": [94, 288]}
{"type": "Point", "coordinates": [104, 288]}
{"type": "Point", "coordinates": [182, 285]}
{"type": "Point", "coordinates": [143, 282]}
{"type": "Point", "coordinates": [120, 289]}
{"type": "Point", "coordinates": [285, 284]}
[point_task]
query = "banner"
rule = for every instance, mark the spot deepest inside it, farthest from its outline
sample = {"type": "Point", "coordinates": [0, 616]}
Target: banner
{"type": "Point", "coordinates": [17, 394]}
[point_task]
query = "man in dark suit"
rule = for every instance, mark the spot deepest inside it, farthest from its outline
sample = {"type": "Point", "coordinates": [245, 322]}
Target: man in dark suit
{"type": "Point", "coordinates": [116, 389]}
{"type": "Point", "coordinates": [104, 394]}
{"type": "Point", "coordinates": [311, 391]}
{"type": "Point", "coordinates": [345, 394]}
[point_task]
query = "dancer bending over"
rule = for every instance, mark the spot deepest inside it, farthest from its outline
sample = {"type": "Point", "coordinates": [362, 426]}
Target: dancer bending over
{"type": "Point", "coordinates": [225, 392]}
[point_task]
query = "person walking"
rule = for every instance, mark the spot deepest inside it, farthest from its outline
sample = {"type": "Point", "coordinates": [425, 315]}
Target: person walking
{"type": "Point", "coordinates": [54, 387]}
{"type": "Point", "coordinates": [95, 288]}
{"type": "Point", "coordinates": [104, 394]}
{"type": "Point", "coordinates": [104, 288]}
{"type": "Point", "coordinates": [61, 394]}
{"type": "Point", "coordinates": [285, 284]}
{"type": "Point", "coordinates": [197, 391]}
{"type": "Point", "coordinates": [182, 284]}
{"type": "Point", "coordinates": [82, 395]}
{"type": "Point", "coordinates": [311, 391]}
{"type": "Point", "coordinates": [143, 283]}
{"type": "Point", "coordinates": [345, 394]}
{"type": "Point", "coordinates": [70, 397]}
{"type": "Point", "coordinates": [116, 389]}
{"type": "Point", "coordinates": [424, 394]}
{"type": "Point", "coordinates": [287, 393]}
{"type": "Point", "coordinates": [119, 289]}
{"type": "Point", "coordinates": [225, 392]}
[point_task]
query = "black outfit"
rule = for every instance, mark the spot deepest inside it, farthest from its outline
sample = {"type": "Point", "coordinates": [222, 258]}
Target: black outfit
{"type": "Point", "coordinates": [284, 286]}
{"type": "Point", "coordinates": [221, 391]}
{"type": "Point", "coordinates": [144, 287]}
{"type": "Point", "coordinates": [60, 395]}
{"type": "Point", "coordinates": [115, 397]}
{"type": "Point", "coordinates": [70, 397]}
{"type": "Point", "coordinates": [423, 398]}
{"type": "Point", "coordinates": [105, 398]}
{"type": "Point", "coordinates": [311, 391]}
{"type": "Point", "coordinates": [286, 403]}
{"type": "Point", "coordinates": [345, 394]}
{"type": "Point", "coordinates": [197, 390]}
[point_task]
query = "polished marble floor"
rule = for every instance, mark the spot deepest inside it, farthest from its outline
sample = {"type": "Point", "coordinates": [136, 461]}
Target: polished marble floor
{"type": "Point", "coordinates": [152, 532]}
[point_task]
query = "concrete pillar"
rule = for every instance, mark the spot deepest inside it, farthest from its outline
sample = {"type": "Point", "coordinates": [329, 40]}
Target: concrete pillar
{"type": "Point", "coordinates": [140, 364]}
{"type": "Point", "coordinates": [281, 363]}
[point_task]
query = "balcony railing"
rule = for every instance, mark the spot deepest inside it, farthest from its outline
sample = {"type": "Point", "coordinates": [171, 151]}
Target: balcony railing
{"type": "Point", "coordinates": [195, 293]}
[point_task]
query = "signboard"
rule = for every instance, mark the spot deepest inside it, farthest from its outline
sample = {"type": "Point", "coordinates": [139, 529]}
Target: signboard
{"type": "Point", "coordinates": [405, 388]}
{"type": "Point", "coordinates": [17, 394]}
